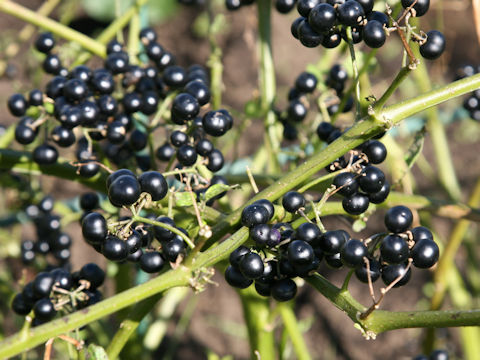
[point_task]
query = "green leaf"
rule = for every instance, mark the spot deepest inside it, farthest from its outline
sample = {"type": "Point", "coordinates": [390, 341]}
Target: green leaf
{"type": "Point", "coordinates": [95, 352]}
{"type": "Point", "coordinates": [416, 148]}
{"type": "Point", "coordinates": [183, 199]}
{"type": "Point", "coordinates": [215, 190]}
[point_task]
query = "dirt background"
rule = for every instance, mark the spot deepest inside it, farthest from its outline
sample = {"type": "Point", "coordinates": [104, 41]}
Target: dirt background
{"type": "Point", "coordinates": [217, 321]}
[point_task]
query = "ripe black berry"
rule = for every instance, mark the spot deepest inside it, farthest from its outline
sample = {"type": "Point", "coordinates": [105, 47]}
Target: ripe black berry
{"type": "Point", "coordinates": [300, 253]}
{"type": "Point", "coordinates": [371, 179]}
{"type": "Point", "coordinates": [52, 64]}
{"type": "Point", "coordinates": [331, 242]}
{"type": "Point", "coordinates": [185, 107]}
{"type": "Point", "coordinates": [124, 191]}
{"type": "Point", "coordinates": [355, 204]}
{"type": "Point", "coordinates": [165, 152]}
{"type": "Point", "coordinates": [284, 289]}
{"type": "Point", "coordinates": [374, 34]}
{"type": "Point", "coordinates": [305, 6]}
{"type": "Point", "coordinates": [20, 306]}
{"type": "Point", "coordinates": [93, 274]}
{"type": "Point", "coordinates": [174, 76]}
{"type": "Point", "coordinates": [420, 7]}
{"type": "Point", "coordinates": [322, 17]}
{"type": "Point", "coordinates": [251, 266]}
{"type": "Point", "coordinates": [425, 253]}
{"type": "Point", "coordinates": [308, 232]}
{"type": "Point", "coordinates": [362, 274]}
{"type": "Point", "coordinates": [186, 155]}
{"type": "Point", "coordinates": [153, 183]}
{"type": "Point", "coordinates": [292, 201]}
{"type": "Point", "coordinates": [114, 248]}
{"type": "Point", "coordinates": [391, 272]}
{"type": "Point", "coordinates": [254, 214]}
{"type": "Point", "coordinates": [421, 232]}
{"type": "Point", "coordinates": [204, 147]}
{"type": "Point", "coordinates": [151, 262]}
{"type": "Point", "coordinates": [44, 42]}
{"type": "Point", "coordinates": [394, 249]}
{"type": "Point", "coordinates": [216, 123]}
{"type": "Point", "coordinates": [353, 252]}
{"type": "Point", "coordinates": [346, 183]}
{"type": "Point", "coordinates": [44, 310]}
{"type": "Point", "coordinates": [236, 279]}
{"type": "Point", "coordinates": [45, 154]}
{"type": "Point", "coordinates": [398, 219]}
{"type": "Point", "coordinates": [434, 46]}
{"type": "Point", "coordinates": [296, 110]}
{"type": "Point", "coordinates": [380, 196]}
{"type": "Point", "coordinates": [350, 13]}
{"type": "Point", "coordinates": [284, 6]}
{"type": "Point", "coordinates": [17, 104]}
{"type": "Point", "coordinates": [375, 151]}
{"type": "Point", "coordinates": [306, 82]}
{"type": "Point", "coordinates": [307, 36]}
{"type": "Point", "coordinates": [94, 228]}
{"type": "Point", "coordinates": [199, 91]}
{"type": "Point", "coordinates": [215, 160]}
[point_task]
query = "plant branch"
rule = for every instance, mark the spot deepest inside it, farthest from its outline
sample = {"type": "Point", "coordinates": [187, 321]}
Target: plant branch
{"type": "Point", "coordinates": [291, 326]}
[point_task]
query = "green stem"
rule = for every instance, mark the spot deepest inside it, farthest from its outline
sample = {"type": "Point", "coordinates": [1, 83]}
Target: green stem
{"type": "Point", "coordinates": [21, 161]}
{"type": "Point", "coordinates": [260, 333]}
{"type": "Point", "coordinates": [267, 80]}
{"type": "Point", "coordinates": [214, 62]}
{"type": "Point", "coordinates": [356, 79]}
{"type": "Point", "coordinates": [291, 326]}
{"type": "Point", "coordinates": [402, 75]}
{"type": "Point", "coordinates": [58, 29]}
{"type": "Point", "coordinates": [8, 136]}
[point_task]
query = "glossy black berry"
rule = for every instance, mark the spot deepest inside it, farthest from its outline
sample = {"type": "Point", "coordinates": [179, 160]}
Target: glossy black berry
{"type": "Point", "coordinates": [367, 5]}
{"type": "Point", "coordinates": [251, 266]}
{"type": "Point", "coordinates": [161, 233]}
{"type": "Point", "coordinates": [44, 310]}
{"type": "Point", "coordinates": [350, 13]}
{"type": "Point", "coordinates": [154, 51]}
{"type": "Point", "coordinates": [151, 262]}
{"type": "Point", "coordinates": [421, 232]}
{"type": "Point", "coordinates": [260, 233]}
{"type": "Point", "coordinates": [93, 274]}
{"type": "Point", "coordinates": [35, 98]}
{"type": "Point", "coordinates": [148, 35]}
{"type": "Point", "coordinates": [391, 272]}
{"type": "Point", "coordinates": [215, 160]}
{"type": "Point", "coordinates": [174, 76]}
{"type": "Point", "coordinates": [204, 147]}
{"type": "Point", "coordinates": [153, 183]}
{"type": "Point", "coordinates": [132, 102]}
{"type": "Point", "coordinates": [374, 34]}
{"type": "Point", "coordinates": [237, 255]}
{"type": "Point", "coordinates": [267, 204]}
{"type": "Point", "coordinates": [17, 104]}
{"type": "Point", "coordinates": [42, 285]}
{"type": "Point", "coordinates": [434, 46]}
{"type": "Point", "coordinates": [124, 191]}
{"type": "Point", "coordinates": [375, 151]}
{"type": "Point", "coordinates": [284, 6]}
{"type": "Point", "coordinates": [305, 6]}
{"type": "Point", "coordinates": [297, 111]}
{"type": "Point", "coordinates": [25, 134]}
{"type": "Point", "coordinates": [114, 46]}
{"type": "Point", "coordinates": [165, 152]}
{"type": "Point", "coordinates": [102, 82]}
{"type": "Point", "coordinates": [371, 179]}
{"type": "Point", "coordinates": [292, 201]}
{"type": "Point", "coordinates": [308, 36]}
{"type": "Point", "coordinates": [199, 90]}
{"type": "Point", "coordinates": [394, 249]}
{"type": "Point", "coordinates": [52, 64]}
{"type": "Point", "coordinates": [438, 355]}
{"type": "Point", "coordinates": [306, 82]}
{"type": "Point", "coordinates": [398, 219]}
{"type": "Point", "coordinates": [378, 16]}
{"type": "Point", "coordinates": [331, 242]}
{"type": "Point", "coordinates": [324, 130]}
{"type": "Point", "coordinates": [322, 17]}
{"type": "Point", "coordinates": [62, 136]}
{"type": "Point", "coordinates": [380, 196]}
{"type": "Point", "coordinates": [254, 214]}
{"type": "Point", "coordinates": [346, 183]}
{"type": "Point", "coordinates": [94, 228]}
{"type": "Point", "coordinates": [425, 253]}
{"type": "Point", "coordinates": [20, 306]}
{"type": "Point", "coordinates": [420, 7]}
{"type": "Point", "coordinates": [300, 253]}
{"type": "Point", "coordinates": [88, 169]}
{"type": "Point", "coordinates": [236, 279]}
{"type": "Point", "coordinates": [295, 26]}
{"type": "Point", "coordinates": [337, 74]}
{"type": "Point", "coordinates": [114, 248]}
{"type": "Point", "coordinates": [331, 40]}
{"type": "Point", "coordinates": [362, 273]}
{"type": "Point", "coordinates": [44, 42]}
{"type": "Point", "coordinates": [45, 154]}
{"type": "Point", "coordinates": [308, 232]}
{"type": "Point", "coordinates": [216, 123]}
{"type": "Point", "coordinates": [284, 290]}
{"type": "Point", "coordinates": [353, 252]}
{"type": "Point", "coordinates": [185, 107]}
{"type": "Point", "coordinates": [355, 204]}
{"type": "Point", "coordinates": [186, 155]}
{"type": "Point", "coordinates": [178, 138]}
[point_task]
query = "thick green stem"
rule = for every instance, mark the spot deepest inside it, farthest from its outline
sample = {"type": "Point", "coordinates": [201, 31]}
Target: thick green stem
{"type": "Point", "coordinates": [402, 75]}
{"type": "Point", "coordinates": [293, 331]}
{"type": "Point", "coordinates": [267, 80]}
{"type": "Point", "coordinates": [256, 312]}
{"type": "Point", "coordinates": [58, 29]}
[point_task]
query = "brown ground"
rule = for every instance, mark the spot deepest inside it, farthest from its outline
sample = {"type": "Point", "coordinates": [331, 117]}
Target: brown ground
{"type": "Point", "coordinates": [218, 316]}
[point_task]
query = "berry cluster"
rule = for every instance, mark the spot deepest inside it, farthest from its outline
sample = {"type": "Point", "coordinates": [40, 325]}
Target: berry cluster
{"type": "Point", "coordinates": [50, 237]}
{"type": "Point", "coordinates": [288, 253]}
{"type": "Point", "coordinates": [58, 289]}
{"type": "Point", "coordinates": [434, 355]}
{"type": "Point", "coordinates": [126, 240]}
{"type": "Point", "coordinates": [305, 84]}
{"type": "Point", "coordinates": [109, 102]}
{"type": "Point", "coordinates": [325, 23]}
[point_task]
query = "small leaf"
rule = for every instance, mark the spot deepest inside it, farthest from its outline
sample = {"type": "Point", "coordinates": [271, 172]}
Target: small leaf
{"type": "Point", "coordinates": [415, 149]}
{"type": "Point", "coordinates": [215, 190]}
{"type": "Point", "coordinates": [95, 352]}
{"type": "Point", "coordinates": [183, 199]}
